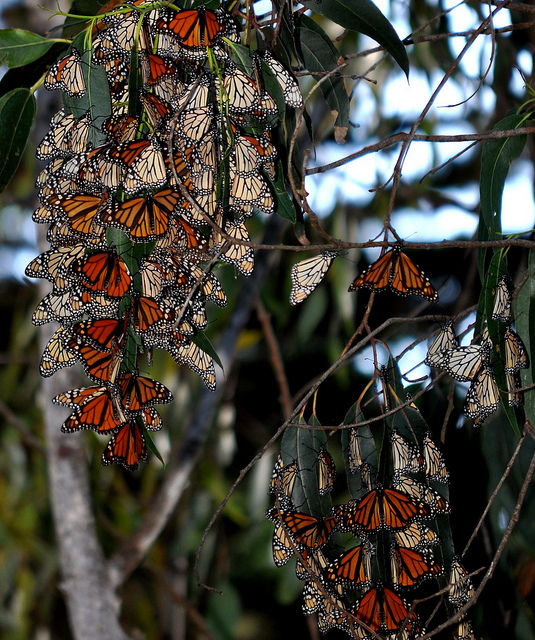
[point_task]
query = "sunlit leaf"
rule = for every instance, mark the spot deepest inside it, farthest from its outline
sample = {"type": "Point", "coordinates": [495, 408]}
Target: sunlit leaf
{"type": "Point", "coordinates": [363, 16]}
{"type": "Point", "coordinates": [19, 47]}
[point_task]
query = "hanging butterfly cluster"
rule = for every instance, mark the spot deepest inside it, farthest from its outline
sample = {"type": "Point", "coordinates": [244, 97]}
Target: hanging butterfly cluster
{"type": "Point", "coordinates": [473, 363]}
{"type": "Point", "coordinates": [363, 590]}
{"type": "Point", "coordinates": [161, 153]}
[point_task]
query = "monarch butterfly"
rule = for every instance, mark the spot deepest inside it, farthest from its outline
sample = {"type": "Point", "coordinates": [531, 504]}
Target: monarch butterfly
{"type": "Point", "coordinates": [247, 155]}
{"type": "Point", "coordinates": [124, 34]}
{"type": "Point", "coordinates": [101, 366]}
{"type": "Point", "coordinates": [106, 272]}
{"type": "Point", "coordinates": [380, 508]}
{"type": "Point", "coordinates": [515, 354]}
{"type": "Point", "coordinates": [429, 496]}
{"type": "Point", "coordinates": [198, 361]}
{"type": "Point", "coordinates": [463, 363]}
{"type": "Point", "coordinates": [406, 457]}
{"type": "Point", "coordinates": [155, 68]}
{"type": "Point", "coordinates": [152, 278]}
{"type": "Point", "coordinates": [121, 127]}
{"type": "Point", "coordinates": [352, 567]}
{"type": "Point", "coordinates": [289, 86]}
{"type": "Point", "coordinates": [193, 29]}
{"type": "Point", "coordinates": [435, 466]}
{"type": "Point", "coordinates": [307, 274]}
{"type": "Point", "coordinates": [304, 529]}
{"type": "Point", "coordinates": [502, 301]}
{"type": "Point", "coordinates": [148, 312]}
{"type": "Point", "coordinates": [515, 397]}
{"type": "Point", "coordinates": [82, 212]}
{"type": "Point", "coordinates": [313, 564]}
{"type": "Point", "coordinates": [146, 218]}
{"type": "Point", "coordinates": [281, 546]}
{"type": "Point", "coordinates": [96, 409]}
{"type": "Point", "coordinates": [283, 477]}
{"type": "Point", "coordinates": [483, 397]}
{"type": "Point", "coordinates": [383, 610]}
{"type": "Point", "coordinates": [240, 93]}
{"type": "Point", "coordinates": [334, 615]}
{"type": "Point", "coordinates": [67, 136]}
{"type": "Point", "coordinates": [410, 567]}
{"type": "Point", "coordinates": [56, 355]}
{"type": "Point", "coordinates": [147, 171]}
{"type": "Point", "coordinates": [312, 597]}
{"type": "Point", "coordinates": [127, 447]}
{"type": "Point", "coordinates": [326, 471]}
{"type": "Point", "coordinates": [66, 75]}
{"type": "Point", "coordinates": [102, 333]}
{"type": "Point", "coordinates": [158, 110]}
{"type": "Point", "coordinates": [461, 588]}
{"type": "Point", "coordinates": [355, 456]}
{"type": "Point", "coordinates": [195, 123]}
{"type": "Point", "coordinates": [417, 536]}
{"type": "Point", "coordinates": [61, 306]}
{"type": "Point", "coordinates": [246, 190]}
{"type": "Point", "coordinates": [239, 255]}
{"type": "Point", "coordinates": [445, 340]}
{"type": "Point", "coordinates": [396, 272]}
{"type": "Point", "coordinates": [138, 392]}
{"type": "Point", "coordinates": [464, 630]}
{"type": "Point", "coordinates": [54, 265]}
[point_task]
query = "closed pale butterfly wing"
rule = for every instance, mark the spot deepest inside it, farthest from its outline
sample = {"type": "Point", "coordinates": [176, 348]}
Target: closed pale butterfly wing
{"type": "Point", "coordinates": [307, 274]}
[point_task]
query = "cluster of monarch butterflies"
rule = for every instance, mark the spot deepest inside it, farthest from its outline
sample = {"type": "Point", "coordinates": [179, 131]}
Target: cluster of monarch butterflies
{"type": "Point", "coordinates": [393, 271]}
{"type": "Point", "coordinates": [143, 198]}
{"type": "Point", "coordinates": [473, 363]}
{"type": "Point", "coordinates": [364, 590]}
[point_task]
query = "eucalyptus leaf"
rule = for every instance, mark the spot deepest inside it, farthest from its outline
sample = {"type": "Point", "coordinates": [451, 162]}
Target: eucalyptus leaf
{"type": "Point", "coordinates": [17, 112]}
{"type": "Point", "coordinates": [19, 47]}
{"type": "Point", "coordinates": [364, 17]}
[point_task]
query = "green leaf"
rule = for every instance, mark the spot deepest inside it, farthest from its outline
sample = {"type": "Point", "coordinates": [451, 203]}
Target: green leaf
{"type": "Point", "coordinates": [524, 307]}
{"type": "Point", "coordinates": [19, 47]}
{"type": "Point", "coordinates": [363, 16]}
{"type": "Point", "coordinates": [285, 208]}
{"type": "Point", "coordinates": [496, 158]}
{"type": "Point", "coordinates": [17, 111]}
{"type": "Point", "coordinates": [318, 53]}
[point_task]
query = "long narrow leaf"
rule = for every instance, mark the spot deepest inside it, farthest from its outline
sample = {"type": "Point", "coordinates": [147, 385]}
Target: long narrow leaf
{"type": "Point", "coordinates": [17, 111]}
{"type": "Point", "coordinates": [364, 17]}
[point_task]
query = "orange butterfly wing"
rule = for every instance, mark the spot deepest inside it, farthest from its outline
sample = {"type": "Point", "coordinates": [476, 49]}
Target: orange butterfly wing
{"type": "Point", "coordinates": [410, 567]}
{"type": "Point", "coordinates": [127, 447]}
{"type": "Point", "coordinates": [377, 275]}
{"type": "Point", "coordinates": [400, 509]}
{"type": "Point", "coordinates": [408, 278]}
{"type": "Point", "coordinates": [349, 567]}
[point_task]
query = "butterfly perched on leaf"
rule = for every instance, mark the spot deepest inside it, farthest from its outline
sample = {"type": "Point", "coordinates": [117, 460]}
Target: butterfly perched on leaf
{"type": "Point", "coordinates": [396, 272]}
{"type": "Point", "coordinates": [352, 567]}
{"type": "Point", "coordinates": [67, 75]}
{"type": "Point", "coordinates": [307, 274]}
{"type": "Point", "coordinates": [410, 567]}
{"type": "Point", "coordinates": [305, 529]}
{"type": "Point", "coordinates": [380, 508]}
{"type": "Point", "coordinates": [383, 610]}
{"type": "Point", "coordinates": [502, 301]}
{"type": "Point", "coordinates": [444, 341]}
{"type": "Point", "coordinates": [461, 588]}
